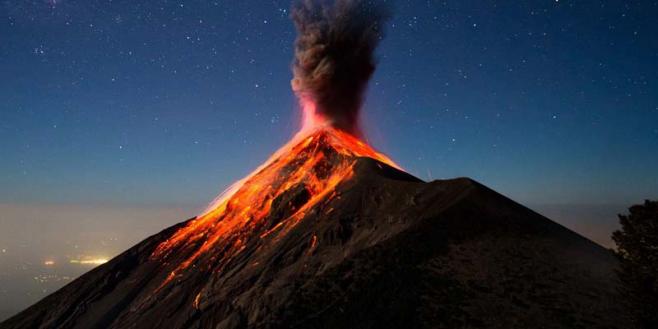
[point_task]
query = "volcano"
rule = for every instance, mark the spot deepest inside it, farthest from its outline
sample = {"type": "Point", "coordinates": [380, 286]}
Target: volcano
{"type": "Point", "coordinates": [331, 234]}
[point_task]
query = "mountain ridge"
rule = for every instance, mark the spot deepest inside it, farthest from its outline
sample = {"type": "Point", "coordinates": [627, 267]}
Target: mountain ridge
{"type": "Point", "coordinates": [387, 250]}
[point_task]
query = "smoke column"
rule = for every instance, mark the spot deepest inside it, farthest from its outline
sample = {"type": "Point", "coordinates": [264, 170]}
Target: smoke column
{"type": "Point", "coordinates": [334, 56]}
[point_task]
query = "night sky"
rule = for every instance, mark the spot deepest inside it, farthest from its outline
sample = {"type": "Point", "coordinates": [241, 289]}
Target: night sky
{"type": "Point", "coordinates": [161, 104]}
{"type": "Point", "coordinates": [169, 101]}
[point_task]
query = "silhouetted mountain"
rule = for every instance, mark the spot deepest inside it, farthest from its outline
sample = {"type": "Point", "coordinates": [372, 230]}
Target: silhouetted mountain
{"type": "Point", "coordinates": [331, 238]}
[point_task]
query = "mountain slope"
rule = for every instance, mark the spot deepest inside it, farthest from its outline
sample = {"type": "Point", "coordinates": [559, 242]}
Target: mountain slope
{"type": "Point", "coordinates": [377, 249]}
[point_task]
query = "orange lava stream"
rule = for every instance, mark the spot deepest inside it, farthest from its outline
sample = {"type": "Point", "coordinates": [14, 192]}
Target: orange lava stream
{"type": "Point", "coordinates": [247, 202]}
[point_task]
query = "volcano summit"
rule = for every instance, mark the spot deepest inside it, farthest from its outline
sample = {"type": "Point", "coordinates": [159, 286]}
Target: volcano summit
{"type": "Point", "coordinates": [329, 233]}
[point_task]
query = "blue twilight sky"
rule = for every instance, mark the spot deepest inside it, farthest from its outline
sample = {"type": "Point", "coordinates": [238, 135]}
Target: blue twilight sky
{"type": "Point", "coordinates": [167, 102]}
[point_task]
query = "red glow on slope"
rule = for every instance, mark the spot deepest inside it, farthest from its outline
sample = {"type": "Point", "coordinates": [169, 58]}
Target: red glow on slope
{"type": "Point", "coordinates": [301, 163]}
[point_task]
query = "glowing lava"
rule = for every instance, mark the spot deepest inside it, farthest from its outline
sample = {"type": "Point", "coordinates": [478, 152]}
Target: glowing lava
{"type": "Point", "coordinates": [302, 173]}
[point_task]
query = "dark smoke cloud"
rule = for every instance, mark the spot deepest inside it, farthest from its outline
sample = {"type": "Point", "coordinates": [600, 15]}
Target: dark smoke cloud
{"type": "Point", "coordinates": [334, 55]}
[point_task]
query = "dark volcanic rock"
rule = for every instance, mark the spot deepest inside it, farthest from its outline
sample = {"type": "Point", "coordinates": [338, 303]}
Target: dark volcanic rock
{"type": "Point", "coordinates": [390, 251]}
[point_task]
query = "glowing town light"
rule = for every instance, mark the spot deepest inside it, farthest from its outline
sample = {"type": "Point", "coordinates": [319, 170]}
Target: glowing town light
{"type": "Point", "coordinates": [96, 261]}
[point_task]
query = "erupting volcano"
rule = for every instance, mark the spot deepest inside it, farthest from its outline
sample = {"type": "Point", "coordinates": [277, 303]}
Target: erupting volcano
{"type": "Point", "coordinates": [330, 233]}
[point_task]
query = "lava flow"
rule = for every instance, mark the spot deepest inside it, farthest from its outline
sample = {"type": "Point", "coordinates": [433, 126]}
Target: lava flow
{"type": "Point", "coordinates": [307, 169]}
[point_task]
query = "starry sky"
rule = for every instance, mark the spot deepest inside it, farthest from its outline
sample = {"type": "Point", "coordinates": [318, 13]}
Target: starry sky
{"type": "Point", "coordinates": [165, 103]}
{"type": "Point", "coordinates": [119, 118]}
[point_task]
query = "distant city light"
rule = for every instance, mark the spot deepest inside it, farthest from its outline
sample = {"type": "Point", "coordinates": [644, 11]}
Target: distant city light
{"type": "Point", "coordinates": [49, 263]}
{"type": "Point", "coordinates": [96, 261]}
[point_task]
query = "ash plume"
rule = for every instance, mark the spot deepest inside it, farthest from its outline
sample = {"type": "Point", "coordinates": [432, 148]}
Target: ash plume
{"type": "Point", "coordinates": [334, 55]}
